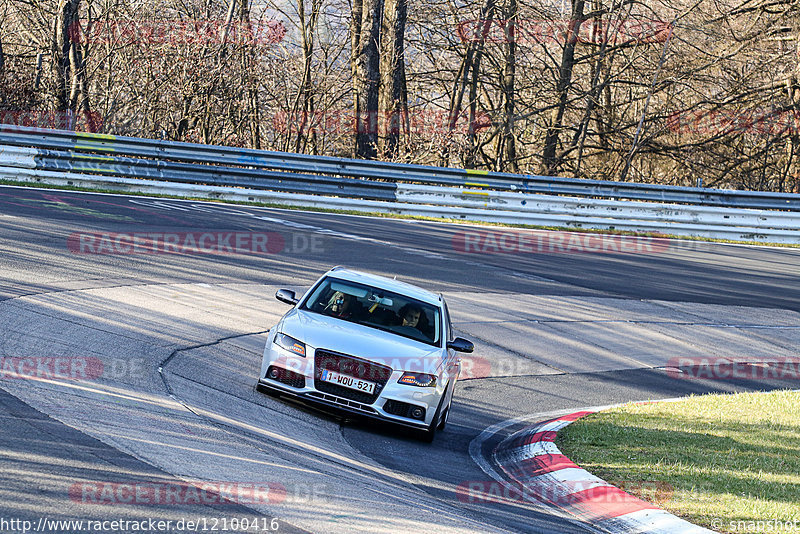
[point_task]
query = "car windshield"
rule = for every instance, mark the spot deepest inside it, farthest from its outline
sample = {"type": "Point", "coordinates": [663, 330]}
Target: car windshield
{"type": "Point", "coordinates": [377, 308]}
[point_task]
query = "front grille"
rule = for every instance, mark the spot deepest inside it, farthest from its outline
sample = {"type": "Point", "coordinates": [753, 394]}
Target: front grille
{"type": "Point", "coordinates": [285, 376]}
{"type": "Point", "coordinates": [350, 366]}
{"type": "Point", "coordinates": [403, 409]}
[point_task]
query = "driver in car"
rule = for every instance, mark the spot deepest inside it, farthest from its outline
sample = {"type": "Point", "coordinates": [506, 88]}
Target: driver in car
{"type": "Point", "coordinates": [414, 322]}
{"type": "Point", "coordinates": [409, 315]}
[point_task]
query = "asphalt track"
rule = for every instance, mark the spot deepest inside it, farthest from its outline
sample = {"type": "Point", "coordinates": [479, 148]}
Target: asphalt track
{"type": "Point", "coordinates": [179, 338]}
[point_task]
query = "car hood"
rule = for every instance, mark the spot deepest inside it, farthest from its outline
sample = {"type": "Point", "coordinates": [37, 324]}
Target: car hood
{"type": "Point", "coordinates": [337, 335]}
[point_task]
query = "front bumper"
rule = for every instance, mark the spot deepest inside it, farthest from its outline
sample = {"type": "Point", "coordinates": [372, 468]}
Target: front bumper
{"type": "Point", "coordinates": [395, 394]}
{"type": "Point", "coordinates": [339, 404]}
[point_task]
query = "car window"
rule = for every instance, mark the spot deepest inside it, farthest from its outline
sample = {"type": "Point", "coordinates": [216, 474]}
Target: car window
{"type": "Point", "coordinates": [377, 308]}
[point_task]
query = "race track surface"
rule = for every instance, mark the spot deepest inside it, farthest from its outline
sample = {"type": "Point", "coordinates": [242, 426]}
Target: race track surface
{"type": "Point", "coordinates": [158, 351]}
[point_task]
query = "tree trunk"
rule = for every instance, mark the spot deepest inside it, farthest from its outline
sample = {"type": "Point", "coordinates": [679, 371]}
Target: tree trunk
{"type": "Point", "coordinates": [366, 82]}
{"type": "Point", "coordinates": [355, 35]}
{"type": "Point", "coordinates": [393, 75]}
{"type": "Point", "coordinates": [472, 56]}
{"type": "Point", "coordinates": [248, 67]}
{"type": "Point", "coordinates": [472, 149]}
{"type": "Point", "coordinates": [304, 102]}
{"type": "Point", "coordinates": [509, 154]}
{"type": "Point", "coordinates": [66, 16]}
{"type": "Point", "coordinates": [71, 94]}
{"type": "Point", "coordinates": [793, 146]}
{"type": "Point", "coordinates": [550, 162]}
{"type": "Point", "coordinates": [598, 65]}
{"type": "Point", "coordinates": [80, 84]}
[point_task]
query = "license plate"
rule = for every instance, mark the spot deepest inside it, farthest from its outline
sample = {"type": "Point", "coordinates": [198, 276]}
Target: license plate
{"type": "Point", "coordinates": [347, 381]}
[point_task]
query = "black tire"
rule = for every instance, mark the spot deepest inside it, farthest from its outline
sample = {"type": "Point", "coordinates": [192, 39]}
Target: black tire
{"type": "Point", "coordinates": [443, 422]}
{"type": "Point", "coordinates": [446, 414]}
{"type": "Point", "coordinates": [429, 433]}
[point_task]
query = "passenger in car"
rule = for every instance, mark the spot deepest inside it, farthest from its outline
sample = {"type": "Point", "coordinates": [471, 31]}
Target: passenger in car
{"type": "Point", "coordinates": [345, 306]}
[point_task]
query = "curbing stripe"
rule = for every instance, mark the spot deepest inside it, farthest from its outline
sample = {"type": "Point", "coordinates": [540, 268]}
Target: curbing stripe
{"type": "Point", "coordinates": [533, 450]}
{"type": "Point", "coordinates": [527, 439]}
{"type": "Point", "coordinates": [575, 478]}
{"type": "Point", "coordinates": [531, 458]}
{"type": "Point", "coordinates": [553, 426]}
{"type": "Point", "coordinates": [651, 521]}
{"type": "Point", "coordinates": [607, 502]}
{"type": "Point", "coordinates": [572, 417]}
{"type": "Point", "coordinates": [552, 462]}
{"type": "Point", "coordinates": [543, 436]}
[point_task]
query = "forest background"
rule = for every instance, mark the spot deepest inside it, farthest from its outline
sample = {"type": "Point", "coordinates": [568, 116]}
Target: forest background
{"type": "Point", "coordinates": [703, 92]}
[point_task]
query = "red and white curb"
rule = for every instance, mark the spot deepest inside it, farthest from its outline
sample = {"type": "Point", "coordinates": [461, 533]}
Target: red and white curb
{"type": "Point", "coordinates": [531, 459]}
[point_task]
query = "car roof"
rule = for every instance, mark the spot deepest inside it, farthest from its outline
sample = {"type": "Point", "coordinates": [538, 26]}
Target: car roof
{"type": "Point", "coordinates": [389, 284]}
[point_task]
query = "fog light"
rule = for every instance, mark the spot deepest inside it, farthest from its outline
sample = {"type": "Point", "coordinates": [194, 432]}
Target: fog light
{"type": "Point", "coordinates": [274, 373]}
{"type": "Point", "coordinates": [417, 413]}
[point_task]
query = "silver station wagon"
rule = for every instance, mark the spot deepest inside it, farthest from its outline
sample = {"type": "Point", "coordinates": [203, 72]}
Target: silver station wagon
{"type": "Point", "coordinates": [367, 345]}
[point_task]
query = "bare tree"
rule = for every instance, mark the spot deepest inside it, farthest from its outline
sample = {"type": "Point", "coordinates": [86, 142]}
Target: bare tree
{"type": "Point", "coordinates": [468, 77]}
{"type": "Point", "coordinates": [366, 81]}
{"type": "Point", "coordinates": [507, 149]}
{"type": "Point", "coordinates": [2, 58]}
{"type": "Point", "coordinates": [394, 94]}
{"type": "Point", "coordinates": [304, 101]}
{"type": "Point", "coordinates": [529, 87]}
{"type": "Point", "coordinates": [551, 163]}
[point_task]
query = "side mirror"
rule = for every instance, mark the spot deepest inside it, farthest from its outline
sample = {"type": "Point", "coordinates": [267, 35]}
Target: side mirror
{"type": "Point", "coordinates": [284, 295]}
{"type": "Point", "coordinates": [460, 344]}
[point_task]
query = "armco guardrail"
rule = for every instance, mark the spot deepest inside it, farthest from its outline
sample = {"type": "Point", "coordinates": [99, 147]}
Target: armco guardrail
{"type": "Point", "coordinates": [166, 167]}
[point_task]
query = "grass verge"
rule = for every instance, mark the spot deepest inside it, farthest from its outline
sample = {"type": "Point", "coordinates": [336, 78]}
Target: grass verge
{"type": "Point", "coordinates": [731, 462]}
{"type": "Point", "coordinates": [409, 217]}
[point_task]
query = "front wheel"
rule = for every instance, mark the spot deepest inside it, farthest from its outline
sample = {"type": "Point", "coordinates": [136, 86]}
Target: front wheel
{"type": "Point", "coordinates": [269, 391]}
{"type": "Point", "coordinates": [429, 433]}
{"type": "Point", "coordinates": [438, 421]}
{"type": "Point", "coordinates": [446, 415]}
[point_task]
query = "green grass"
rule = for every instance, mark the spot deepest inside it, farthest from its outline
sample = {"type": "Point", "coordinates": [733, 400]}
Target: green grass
{"type": "Point", "coordinates": [725, 458]}
{"type": "Point", "coordinates": [399, 216]}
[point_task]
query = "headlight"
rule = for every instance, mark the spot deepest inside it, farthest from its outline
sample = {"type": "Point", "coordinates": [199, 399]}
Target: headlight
{"type": "Point", "coordinates": [417, 379]}
{"type": "Point", "coordinates": [291, 344]}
